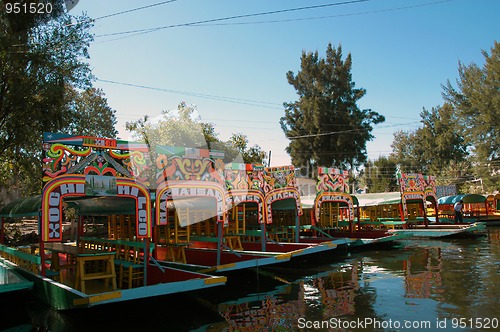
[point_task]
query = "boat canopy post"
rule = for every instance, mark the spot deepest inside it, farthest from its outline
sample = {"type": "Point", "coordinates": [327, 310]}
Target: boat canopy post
{"type": "Point", "coordinates": [219, 241]}
{"type": "Point", "coordinates": [297, 227]}
{"type": "Point", "coordinates": [263, 236]}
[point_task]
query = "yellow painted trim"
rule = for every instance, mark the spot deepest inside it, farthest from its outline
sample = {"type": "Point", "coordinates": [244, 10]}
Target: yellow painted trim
{"type": "Point", "coordinates": [283, 257]}
{"type": "Point", "coordinates": [219, 267]}
{"type": "Point", "coordinates": [97, 298]}
{"type": "Point", "coordinates": [217, 280]}
{"type": "Point", "coordinates": [204, 271]}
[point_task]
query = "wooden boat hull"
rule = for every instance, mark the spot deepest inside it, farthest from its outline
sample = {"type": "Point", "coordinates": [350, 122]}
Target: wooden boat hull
{"type": "Point", "coordinates": [360, 237]}
{"type": "Point", "coordinates": [491, 220]}
{"type": "Point", "coordinates": [203, 259]}
{"type": "Point", "coordinates": [161, 282]}
{"type": "Point", "coordinates": [443, 230]}
{"type": "Point", "coordinates": [297, 251]}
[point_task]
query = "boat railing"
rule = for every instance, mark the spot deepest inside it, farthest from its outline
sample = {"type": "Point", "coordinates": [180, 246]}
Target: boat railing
{"type": "Point", "coordinates": [21, 258]}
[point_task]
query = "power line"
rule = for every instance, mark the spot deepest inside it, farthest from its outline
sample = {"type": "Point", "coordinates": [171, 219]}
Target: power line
{"type": "Point", "coordinates": [341, 132]}
{"type": "Point", "coordinates": [255, 103]}
{"type": "Point", "coordinates": [122, 12]}
{"type": "Point", "coordinates": [149, 30]}
{"type": "Point", "coordinates": [209, 22]}
{"type": "Point", "coordinates": [135, 9]}
{"type": "Point", "coordinates": [328, 16]}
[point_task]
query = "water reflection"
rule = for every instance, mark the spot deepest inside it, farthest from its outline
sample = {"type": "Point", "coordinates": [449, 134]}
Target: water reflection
{"type": "Point", "coordinates": [419, 281]}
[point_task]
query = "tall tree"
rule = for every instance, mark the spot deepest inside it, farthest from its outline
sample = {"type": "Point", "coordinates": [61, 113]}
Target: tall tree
{"type": "Point", "coordinates": [476, 101]}
{"type": "Point", "coordinates": [42, 57]}
{"type": "Point", "coordinates": [183, 128]}
{"type": "Point", "coordinates": [380, 175]}
{"type": "Point", "coordinates": [88, 113]}
{"type": "Point", "coordinates": [433, 146]}
{"type": "Point", "coordinates": [325, 126]}
{"type": "Point", "coordinates": [251, 154]}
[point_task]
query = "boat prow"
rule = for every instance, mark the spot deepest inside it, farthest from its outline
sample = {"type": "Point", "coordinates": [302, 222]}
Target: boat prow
{"type": "Point", "coordinates": [443, 230]}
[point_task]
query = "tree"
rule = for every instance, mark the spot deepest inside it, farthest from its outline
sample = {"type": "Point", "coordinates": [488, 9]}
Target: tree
{"type": "Point", "coordinates": [183, 128]}
{"type": "Point", "coordinates": [432, 147]}
{"type": "Point", "coordinates": [325, 126]}
{"type": "Point", "coordinates": [251, 155]}
{"type": "Point", "coordinates": [380, 175]}
{"type": "Point", "coordinates": [476, 101]}
{"type": "Point", "coordinates": [43, 61]}
{"type": "Point", "coordinates": [88, 113]}
{"type": "Point", "coordinates": [180, 128]}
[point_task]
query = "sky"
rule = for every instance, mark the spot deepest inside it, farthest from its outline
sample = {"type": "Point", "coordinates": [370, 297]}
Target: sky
{"type": "Point", "coordinates": [229, 58]}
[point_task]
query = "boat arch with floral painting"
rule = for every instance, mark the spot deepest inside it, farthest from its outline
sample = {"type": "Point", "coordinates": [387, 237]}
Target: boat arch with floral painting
{"type": "Point", "coordinates": [82, 172]}
{"type": "Point", "coordinates": [196, 216]}
{"type": "Point", "coordinates": [335, 210]}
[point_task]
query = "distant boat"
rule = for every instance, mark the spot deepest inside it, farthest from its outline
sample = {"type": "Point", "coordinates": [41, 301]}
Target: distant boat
{"type": "Point", "coordinates": [331, 214]}
{"type": "Point", "coordinates": [444, 230]}
{"type": "Point", "coordinates": [477, 208]}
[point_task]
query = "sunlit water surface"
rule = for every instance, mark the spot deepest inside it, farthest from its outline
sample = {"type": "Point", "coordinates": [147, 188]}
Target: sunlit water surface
{"type": "Point", "coordinates": [445, 285]}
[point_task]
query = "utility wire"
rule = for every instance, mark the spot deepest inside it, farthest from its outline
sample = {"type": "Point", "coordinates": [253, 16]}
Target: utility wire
{"type": "Point", "coordinates": [200, 95]}
{"type": "Point", "coordinates": [328, 16]}
{"type": "Point", "coordinates": [135, 9]}
{"type": "Point", "coordinates": [149, 30]}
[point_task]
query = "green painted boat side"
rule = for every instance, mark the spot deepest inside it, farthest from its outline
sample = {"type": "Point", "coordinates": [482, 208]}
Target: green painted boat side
{"type": "Point", "coordinates": [10, 280]}
{"type": "Point", "coordinates": [437, 231]}
{"type": "Point", "coordinates": [62, 297]}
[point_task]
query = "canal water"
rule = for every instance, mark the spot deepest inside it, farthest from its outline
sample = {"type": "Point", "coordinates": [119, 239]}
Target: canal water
{"type": "Point", "coordinates": [419, 285]}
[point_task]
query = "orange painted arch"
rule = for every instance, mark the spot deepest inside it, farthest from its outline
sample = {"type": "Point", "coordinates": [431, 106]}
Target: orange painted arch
{"type": "Point", "coordinates": [73, 186]}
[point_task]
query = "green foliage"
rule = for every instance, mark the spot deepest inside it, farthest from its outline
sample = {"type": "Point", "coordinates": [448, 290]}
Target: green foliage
{"type": "Point", "coordinates": [436, 144]}
{"type": "Point", "coordinates": [476, 102]}
{"type": "Point", "coordinates": [459, 142]}
{"type": "Point", "coordinates": [251, 155]}
{"type": "Point", "coordinates": [380, 175]}
{"type": "Point", "coordinates": [183, 128]}
{"type": "Point", "coordinates": [45, 85]}
{"type": "Point", "coordinates": [325, 126]}
{"type": "Point", "coordinates": [88, 113]}
{"type": "Point", "coordinates": [180, 128]}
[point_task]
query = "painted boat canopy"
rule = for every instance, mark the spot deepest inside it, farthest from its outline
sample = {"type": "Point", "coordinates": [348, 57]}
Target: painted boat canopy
{"type": "Point", "coordinates": [374, 199]}
{"type": "Point", "coordinates": [308, 201]}
{"type": "Point", "coordinates": [284, 204]}
{"type": "Point", "coordinates": [467, 198]}
{"type": "Point", "coordinates": [23, 207]}
{"type": "Point", "coordinates": [102, 205]}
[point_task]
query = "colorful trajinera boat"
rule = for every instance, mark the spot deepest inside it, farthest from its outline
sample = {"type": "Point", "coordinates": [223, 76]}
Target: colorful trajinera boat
{"type": "Point", "coordinates": [477, 208]}
{"type": "Point", "coordinates": [96, 270]}
{"type": "Point", "coordinates": [238, 230]}
{"type": "Point", "coordinates": [201, 217]}
{"type": "Point", "coordinates": [412, 211]}
{"type": "Point", "coordinates": [164, 227]}
{"type": "Point", "coordinates": [332, 214]}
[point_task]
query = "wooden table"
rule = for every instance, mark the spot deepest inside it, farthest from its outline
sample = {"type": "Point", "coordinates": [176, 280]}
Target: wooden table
{"type": "Point", "coordinates": [82, 256]}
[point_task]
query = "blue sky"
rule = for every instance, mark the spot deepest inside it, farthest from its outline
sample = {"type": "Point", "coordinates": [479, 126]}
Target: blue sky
{"type": "Point", "coordinates": [234, 70]}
